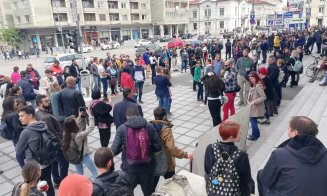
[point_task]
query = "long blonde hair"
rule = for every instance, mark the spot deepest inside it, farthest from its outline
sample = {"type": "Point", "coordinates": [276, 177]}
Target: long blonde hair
{"type": "Point", "coordinates": [30, 173]}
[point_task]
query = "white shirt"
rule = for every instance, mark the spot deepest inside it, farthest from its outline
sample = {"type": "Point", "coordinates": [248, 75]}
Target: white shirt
{"type": "Point", "coordinates": [101, 70]}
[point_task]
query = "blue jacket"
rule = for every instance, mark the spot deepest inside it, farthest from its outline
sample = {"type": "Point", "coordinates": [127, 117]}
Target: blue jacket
{"type": "Point", "coordinates": [146, 58]}
{"type": "Point", "coordinates": [138, 73]}
{"type": "Point", "coordinates": [300, 42]}
{"type": "Point", "coordinates": [162, 83]}
{"type": "Point", "coordinates": [120, 109]}
{"type": "Point", "coordinates": [273, 73]}
{"type": "Point", "coordinates": [27, 88]}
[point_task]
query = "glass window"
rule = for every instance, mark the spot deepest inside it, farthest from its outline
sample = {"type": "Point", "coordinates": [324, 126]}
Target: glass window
{"type": "Point", "coordinates": [207, 13]}
{"type": "Point", "coordinates": [194, 14]}
{"type": "Point", "coordinates": [143, 6]}
{"type": "Point", "coordinates": [221, 12]}
{"type": "Point", "coordinates": [195, 26]}
{"type": "Point", "coordinates": [27, 18]}
{"type": "Point", "coordinates": [123, 5]}
{"type": "Point", "coordinates": [101, 4]}
{"type": "Point", "coordinates": [124, 17]}
{"type": "Point", "coordinates": [143, 17]}
{"type": "Point", "coordinates": [221, 24]}
{"type": "Point", "coordinates": [50, 60]}
{"type": "Point", "coordinates": [18, 19]}
{"type": "Point", "coordinates": [102, 17]}
{"type": "Point", "coordinates": [25, 3]}
{"type": "Point", "coordinates": [70, 57]}
{"type": "Point", "coordinates": [64, 58]}
{"type": "Point", "coordinates": [321, 9]}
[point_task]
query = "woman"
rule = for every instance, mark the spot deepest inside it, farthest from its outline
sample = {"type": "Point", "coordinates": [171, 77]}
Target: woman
{"type": "Point", "coordinates": [153, 64]}
{"type": "Point", "coordinates": [256, 99]}
{"type": "Point", "coordinates": [112, 72]}
{"type": "Point", "coordinates": [230, 133]}
{"type": "Point", "coordinates": [72, 131]}
{"type": "Point", "coordinates": [295, 55]}
{"type": "Point", "coordinates": [6, 81]}
{"type": "Point", "coordinates": [15, 76]}
{"type": "Point", "coordinates": [214, 87]}
{"type": "Point", "coordinates": [103, 119]}
{"type": "Point", "coordinates": [31, 173]}
{"type": "Point", "coordinates": [198, 74]}
{"type": "Point", "coordinates": [11, 118]}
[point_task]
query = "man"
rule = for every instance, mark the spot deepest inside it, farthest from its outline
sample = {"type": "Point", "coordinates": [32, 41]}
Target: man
{"type": "Point", "coordinates": [74, 71]}
{"type": "Point", "coordinates": [264, 48]}
{"type": "Point", "coordinates": [116, 183]}
{"type": "Point", "coordinates": [28, 142]}
{"type": "Point", "coordinates": [95, 73]}
{"type": "Point", "coordinates": [298, 165]}
{"type": "Point", "coordinates": [138, 77]}
{"type": "Point", "coordinates": [47, 81]}
{"type": "Point", "coordinates": [244, 66]}
{"type": "Point", "coordinates": [269, 92]}
{"type": "Point", "coordinates": [228, 46]}
{"type": "Point", "coordinates": [217, 64]}
{"type": "Point", "coordinates": [129, 64]}
{"type": "Point", "coordinates": [33, 76]}
{"type": "Point", "coordinates": [192, 68]}
{"type": "Point", "coordinates": [146, 58]}
{"type": "Point", "coordinates": [318, 41]}
{"type": "Point", "coordinates": [230, 81]}
{"type": "Point", "coordinates": [57, 71]}
{"type": "Point", "coordinates": [120, 108]}
{"type": "Point", "coordinates": [27, 88]}
{"type": "Point", "coordinates": [44, 114]}
{"type": "Point", "coordinates": [173, 54]}
{"type": "Point", "coordinates": [162, 89]}
{"type": "Point", "coordinates": [139, 170]}
{"type": "Point", "coordinates": [184, 59]}
{"type": "Point", "coordinates": [108, 58]}
{"type": "Point", "coordinates": [273, 73]}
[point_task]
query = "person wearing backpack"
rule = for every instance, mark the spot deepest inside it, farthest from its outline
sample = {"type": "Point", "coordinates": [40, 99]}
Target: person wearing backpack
{"type": "Point", "coordinates": [73, 132]}
{"type": "Point", "coordinates": [109, 182]}
{"type": "Point", "coordinates": [138, 141]}
{"type": "Point", "coordinates": [164, 130]}
{"type": "Point", "coordinates": [37, 143]}
{"type": "Point", "coordinates": [217, 164]}
{"type": "Point", "coordinates": [290, 64]}
{"type": "Point", "coordinates": [44, 113]}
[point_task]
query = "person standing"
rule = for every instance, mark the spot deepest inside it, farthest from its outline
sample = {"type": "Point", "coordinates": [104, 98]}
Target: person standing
{"type": "Point", "coordinates": [217, 64]}
{"type": "Point", "coordinates": [57, 71]}
{"type": "Point", "coordinates": [74, 71]}
{"type": "Point", "coordinates": [192, 67]}
{"type": "Point", "coordinates": [27, 88]}
{"type": "Point", "coordinates": [146, 58]}
{"type": "Point", "coordinates": [15, 76]}
{"type": "Point", "coordinates": [103, 78]}
{"type": "Point", "coordinates": [198, 74]}
{"type": "Point", "coordinates": [162, 89]}
{"type": "Point", "coordinates": [95, 73]}
{"type": "Point", "coordinates": [230, 81]}
{"type": "Point", "coordinates": [256, 100]}
{"type": "Point", "coordinates": [228, 47]}
{"type": "Point", "coordinates": [47, 81]}
{"type": "Point", "coordinates": [184, 59]}
{"type": "Point", "coordinates": [153, 64]}
{"type": "Point", "coordinates": [138, 77]}
{"type": "Point", "coordinates": [269, 92]}
{"type": "Point", "coordinates": [243, 66]}
{"type": "Point", "coordinates": [318, 41]}
{"type": "Point", "coordinates": [273, 73]}
{"type": "Point", "coordinates": [33, 76]}
{"type": "Point", "coordinates": [297, 166]}
{"type": "Point", "coordinates": [173, 54]}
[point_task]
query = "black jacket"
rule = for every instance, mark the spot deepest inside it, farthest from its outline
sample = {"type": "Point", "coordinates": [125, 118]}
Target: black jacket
{"type": "Point", "coordinates": [242, 165]}
{"type": "Point", "coordinates": [73, 71]}
{"type": "Point", "coordinates": [69, 100]}
{"type": "Point", "coordinates": [273, 73]}
{"type": "Point", "coordinates": [101, 112]}
{"type": "Point", "coordinates": [27, 88]}
{"type": "Point", "coordinates": [52, 123]}
{"type": "Point", "coordinates": [120, 109]}
{"type": "Point", "coordinates": [12, 121]}
{"type": "Point", "coordinates": [296, 167]}
{"type": "Point", "coordinates": [269, 90]}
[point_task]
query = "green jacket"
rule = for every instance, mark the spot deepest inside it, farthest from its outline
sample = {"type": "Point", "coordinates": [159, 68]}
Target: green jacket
{"type": "Point", "coordinates": [197, 74]}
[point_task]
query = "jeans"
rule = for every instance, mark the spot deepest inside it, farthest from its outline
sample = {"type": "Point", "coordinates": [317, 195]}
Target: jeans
{"type": "Point", "coordinates": [244, 92]}
{"type": "Point", "coordinates": [200, 90]}
{"type": "Point", "coordinates": [184, 65]}
{"type": "Point", "coordinates": [164, 102]}
{"type": "Point", "coordinates": [63, 164]}
{"type": "Point", "coordinates": [78, 86]}
{"type": "Point", "coordinates": [268, 108]}
{"type": "Point", "coordinates": [255, 129]}
{"type": "Point", "coordinates": [96, 81]}
{"type": "Point", "coordinates": [293, 80]}
{"type": "Point", "coordinates": [46, 175]}
{"type": "Point", "coordinates": [145, 179]}
{"type": "Point", "coordinates": [229, 106]}
{"type": "Point", "coordinates": [278, 98]}
{"type": "Point", "coordinates": [325, 77]}
{"type": "Point", "coordinates": [139, 89]}
{"type": "Point", "coordinates": [214, 108]}
{"type": "Point", "coordinates": [264, 56]}
{"type": "Point", "coordinates": [105, 136]}
{"type": "Point", "coordinates": [104, 86]}
{"type": "Point", "coordinates": [89, 164]}
{"type": "Point", "coordinates": [153, 72]}
{"type": "Point", "coordinates": [228, 54]}
{"type": "Point", "coordinates": [19, 157]}
{"type": "Point", "coordinates": [258, 54]}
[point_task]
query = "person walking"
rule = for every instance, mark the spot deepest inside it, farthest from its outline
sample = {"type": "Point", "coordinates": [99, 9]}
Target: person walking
{"type": "Point", "coordinates": [297, 166]}
{"type": "Point", "coordinates": [74, 72]}
{"type": "Point", "coordinates": [198, 74]}
{"type": "Point", "coordinates": [228, 46]}
{"type": "Point", "coordinates": [162, 89]}
{"type": "Point", "coordinates": [139, 78]}
{"type": "Point", "coordinates": [230, 82]}
{"type": "Point", "coordinates": [256, 100]}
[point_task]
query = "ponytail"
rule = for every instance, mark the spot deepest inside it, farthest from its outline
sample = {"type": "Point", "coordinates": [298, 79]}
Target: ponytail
{"type": "Point", "coordinates": [25, 189]}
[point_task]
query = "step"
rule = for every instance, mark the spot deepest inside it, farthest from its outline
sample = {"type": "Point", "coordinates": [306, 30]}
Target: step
{"type": "Point", "coordinates": [322, 134]}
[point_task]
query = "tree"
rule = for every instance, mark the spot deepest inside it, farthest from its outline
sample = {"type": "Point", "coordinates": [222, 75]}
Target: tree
{"type": "Point", "coordinates": [11, 36]}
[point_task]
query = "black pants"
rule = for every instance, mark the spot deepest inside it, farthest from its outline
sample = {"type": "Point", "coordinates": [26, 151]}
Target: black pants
{"type": "Point", "coordinates": [194, 84]}
{"type": "Point", "coordinates": [214, 108]}
{"type": "Point", "coordinates": [105, 136]}
{"type": "Point", "coordinates": [166, 176]}
{"type": "Point", "coordinates": [145, 179]}
{"type": "Point", "coordinates": [228, 53]}
{"type": "Point", "coordinates": [318, 47]}
{"type": "Point", "coordinates": [153, 72]}
{"type": "Point", "coordinates": [112, 87]}
{"type": "Point", "coordinates": [59, 168]}
{"type": "Point", "coordinates": [46, 175]}
{"type": "Point", "coordinates": [293, 80]}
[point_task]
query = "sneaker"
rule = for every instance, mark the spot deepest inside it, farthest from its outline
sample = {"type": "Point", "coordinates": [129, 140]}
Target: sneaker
{"type": "Point", "coordinates": [240, 103]}
{"type": "Point", "coordinates": [265, 122]}
{"type": "Point", "coordinates": [140, 101]}
{"type": "Point", "coordinates": [56, 186]}
{"type": "Point", "coordinates": [323, 84]}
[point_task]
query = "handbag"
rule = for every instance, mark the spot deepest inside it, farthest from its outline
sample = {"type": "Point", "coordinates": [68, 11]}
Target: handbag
{"type": "Point", "coordinates": [175, 186]}
{"type": "Point", "coordinates": [112, 81]}
{"type": "Point", "coordinates": [160, 160]}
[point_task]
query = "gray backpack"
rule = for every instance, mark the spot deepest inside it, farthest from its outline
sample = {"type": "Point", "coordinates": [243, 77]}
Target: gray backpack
{"type": "Point", "coordinates": [73, 155]}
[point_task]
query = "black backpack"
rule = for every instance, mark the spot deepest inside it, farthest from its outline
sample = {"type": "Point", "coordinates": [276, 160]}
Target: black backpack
{"type": "Point", "coordinates": [47, 150]}
{"type": "Point", "coordinates": [223, 178]}
{"type": "Point", "coordinates": [114, 185]}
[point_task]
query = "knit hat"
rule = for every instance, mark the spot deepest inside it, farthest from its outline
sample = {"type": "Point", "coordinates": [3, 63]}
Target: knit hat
{"type": "Point", "coordinates": [263, 71]}
{"type": "Point", "coordinates": [75, 185]}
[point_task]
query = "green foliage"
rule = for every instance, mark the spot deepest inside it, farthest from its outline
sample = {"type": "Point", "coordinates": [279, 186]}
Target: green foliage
{"type": "Point", "coordinates": [11, 36]}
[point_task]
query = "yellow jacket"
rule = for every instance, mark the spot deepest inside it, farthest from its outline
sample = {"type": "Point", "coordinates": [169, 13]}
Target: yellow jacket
{"type": "Point", "coordinates": [276, 41]}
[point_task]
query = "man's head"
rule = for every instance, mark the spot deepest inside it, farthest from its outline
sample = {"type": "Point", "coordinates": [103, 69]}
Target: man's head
{"type": "Point", "coordinates": [108, 54]}
{"type": "Point", "coordinates": [29, 67]}
{"type": "Point", "coordinates": [218, 57]}
{"type": "Point", "coordinates": [74, 62]}
{"type": "Point", "coordinates": [127, 57]}
{"type": "Point", "coordinates": [95, 59]}
{"type": "Point", "coordinates": [301, 125]}
{"type": "Point", "coordinates": [228, 64]}
{"type": "Point", "coordinates": [56, 63]}
{"type": "Point", "coordinates": [245, 52]}
{"type": "Point", "coordinates": [128, 93]}
{"type": "Point", "coordinates": [158, 70]}
{"type": "Point", "coordinates": [159, 113]}
{"type": "Point", "coordinates": [26, 114]}
{"type": "Point", "coordinates": [104, 159]}
{"type": "Point", "coordinates": [137, 61]}
{"type": "Point", "coordinates": [43, 102]}
{"type": "Point", "coordinates": [263, 72]}
{"type": "Point", "coordinates": [70, 82]}
{"type": "Point", "coordinates": [48, 73]}
{"type": "Point", "coordinates": [271, 60]}
{"type": "Point", "coordinates": [16, 69]}
{"type": "Point", "coordinates": [23, 74]}
{"type": "Point", "coordinates": [132, 111]}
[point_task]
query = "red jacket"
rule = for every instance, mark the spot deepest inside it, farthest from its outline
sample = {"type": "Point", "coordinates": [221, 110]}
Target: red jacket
{"type": "Point", "coordinates": [126, 81]}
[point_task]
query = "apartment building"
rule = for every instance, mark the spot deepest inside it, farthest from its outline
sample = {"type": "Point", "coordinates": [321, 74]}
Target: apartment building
{"type": "Point", "coordinates": [169, 17]}
{"type": "Point", "coordinates": [44, 22]}
{"type": "Point", "coordinates": [314, 12]}
{"type": "Point", "coordinates": [219, 16]}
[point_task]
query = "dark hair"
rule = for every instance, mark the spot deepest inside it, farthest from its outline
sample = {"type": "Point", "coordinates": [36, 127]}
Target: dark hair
{"type": "Point", "coordinates": [70, 126]}
{"type": "Point", "coordinates": [8, 91]}
{"type": "Point", "coordinates": [126, 92]}
{"type": "Point", "coordinates": [16, 69]}
{"type": "Point", "coordinates": [7, 107]}
{"type": "Point", "coordinates": [20, 101]}
{"type": "Point", "coordinates": [304, 125]}
{"type": "Point", "coordinates": [257, 78]}
{"type": "Point", "coordinates": [159, 113]}
{"type": "Point", "coordinates": [28, 109]}
{"type": "Point", "coordinates": [14, 90]}
{"type": "Point", "coordinates": [132, 111]}
{"type": "Point", "coordinates": [39, 98]}
{"type": "Point", "coordinates": [96, 94]}
{"type": "Point", "coordinates": [102, 156]}
{"type": "Point", "coordinates": [246, 49]}
{"type": "Point", "coordinates": [23, 73]}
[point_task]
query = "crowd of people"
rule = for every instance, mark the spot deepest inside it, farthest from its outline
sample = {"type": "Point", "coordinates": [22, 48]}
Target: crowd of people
{"type": "Point", "coordinates": [49, 122]}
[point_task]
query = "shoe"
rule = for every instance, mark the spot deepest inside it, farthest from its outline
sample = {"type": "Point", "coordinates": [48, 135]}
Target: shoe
{"type": "Point", "coordinates": [323, 84]}
{"type": "Point", "coordinates": [240, 103]}
{"type": "Point", "coordinates": [140, 101]}
{"type": "Point", "coordinates": [56, 186]}
{"type": "Point", "coordinates": [291, 86]}
{"type": "Point", "coordinates": [275, 112]}
{"type": "Point", "coordinates": [265, 122]}
{"type": "Point", "coordinates": [252, 138]}
{"type": "Point", "coordinates": [199, 99]}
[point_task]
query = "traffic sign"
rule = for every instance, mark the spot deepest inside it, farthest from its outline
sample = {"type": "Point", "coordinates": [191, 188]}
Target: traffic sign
{"type": "Point", "coordinates": [275, 20]}
{"type": "Point", "coordinates": [252, 16]}
{"type": "Point", "coordinates": [252, 21]}
{"type": "Point", "coordinates": [270, 22]}
{"type": "Point", "coordinates": [288, 15]}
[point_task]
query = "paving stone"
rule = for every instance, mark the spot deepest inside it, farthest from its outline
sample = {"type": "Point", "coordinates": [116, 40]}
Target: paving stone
{"type": "Point", "coordinates": [8, 165]}
{"type": "Point", "coordinates": [180, 130]}
{"type": "Point", "coordinates": [184, 117]}
{"type": "Point", "coordinates": [8, 149]}
{"type": "Point", "coordinates": [181, 111]}
{"type": "Point", "coordinates": [5, 188]}
{"type": "Point", "coordinates": [202, 128]}
{"type": "Point", "coordinates": [2, 179]}
{"type": "Point", "coordinates": [186, 140]}
{"type": "Point", "coordinates": [4, 158]}
{"type": "Point", "coordinates": [197, 120]}
{"type": "Point", "coordinates": [189, 125]}
{"type": "Point", "coordinates": [18, 179]}
{"type": "Point", "coordinates": [6, 144]}
{"type": "Point", "coordinates": [178, 122]}
{"type": "Point", "coordinates": [13, 172]}
{"type": "Point", "coordinates": [182, 162]}
{"type": "Point", "coordinates": [194, 134]}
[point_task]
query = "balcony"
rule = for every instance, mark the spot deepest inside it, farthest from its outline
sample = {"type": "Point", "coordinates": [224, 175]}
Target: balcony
{"type": "Point", "coordinates": [89, 17]}
{"type": "Point", "coordinates": [114, 17]}
{"type": "Point", "coordinates": [60, 17]}
{"type": "Point", "coordinates": [134, 5]}
{"type": "Point", "coordinates": [113, 4]}
{"type": "Point", "coordinates": [58, 3]}
{"type": "Point", "coordinates": [88, 4]}
{"type": "Point", "coordinates": [135, 17]}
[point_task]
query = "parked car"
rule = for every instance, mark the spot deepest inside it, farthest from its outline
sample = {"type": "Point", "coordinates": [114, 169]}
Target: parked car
{"type": "Point", "coordinates": [228, 35]}
{"type": "Point", "coordinates": [65, 60]}
{"type": "Point", "coordinates": [141, 42]}
{"type": "Point", "coordinates": [166, 39]}
{"type": "Point", "coordinates": [110, 45]}
{"type": "Point", "coordinates": [194, 43]}
{"type": "Point", "coordinates": [87, 49]}
{"type": "Point", "coordinates": [185, 36]}
{"type": "Point", "coordinates": [175, 43]}
{"type": "Point", "coordinates": [152, 48]}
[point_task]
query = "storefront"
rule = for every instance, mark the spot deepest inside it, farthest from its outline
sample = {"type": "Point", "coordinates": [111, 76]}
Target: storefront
{"type": "Point", "coordinates": [145, 33]}
{"type": "Point", "coordinates": [136, 34]}
{"type": "Point", "coordinates": [115, 34]}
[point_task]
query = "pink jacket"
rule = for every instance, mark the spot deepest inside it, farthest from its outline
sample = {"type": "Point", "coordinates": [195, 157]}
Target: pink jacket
{"type": "Point", "coordinates": [15, 77]}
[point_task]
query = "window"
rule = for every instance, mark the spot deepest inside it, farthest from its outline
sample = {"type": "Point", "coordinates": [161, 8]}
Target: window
{"type": "Point", "coordinates": [18, 19]}
{"type": "Point", "coordinates": [27, 18]}
{"type": "Point", "coordinates": [194, 14]}
{"type": "Point", "coordinates": [195, 26]}
{"type": "Point", "coordinates": [221, 11]}
{"type": "Point", "coordinates": [135, 17]}
{"type": "Point", "coordinates": [114, 17]}
{"type": "Point", "coordinates": [14, 6]}
{"type": "Point", "coordinates": [308, 10]}
{"type": "Point", "coordinates": [113, 4]}
{"type": "Point", "coordinates": [321, 9]}
{"type": "Point", "coordinates": [89, 17]}
{"type": "Point", "coordinates": [60, 17]}
{"type": "Point", "coordinates": [143, 6]}
{"type": "Point", "coordinates": [102, 17]}
{"type": "Point", "coordinates": [207, 13]}
{"type": "Point", "coordinates": [123, 5]}
{"type": "Point", "coordinates": [207, 26]}
{"type": "Point", "coordinates": [25, 3]}
{"type": "Point", "coordinates": [101, 4]}
{"type": "Point", "coordinates": [124, 17]}
{"type": "Point", "coordinates": [143, 17]}
{"type": "Point", "coordinates": [221, 24]}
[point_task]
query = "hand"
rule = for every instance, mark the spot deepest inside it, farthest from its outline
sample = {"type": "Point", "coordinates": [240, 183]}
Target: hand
{"type": "Point", "coordinates": [88, 111]}
{"type": "Point", "coordinates": [252, 103]}
{"type": "Point", "coordinates": [190, 156]}
{"type": "Point", "coordinates": [80, 114]}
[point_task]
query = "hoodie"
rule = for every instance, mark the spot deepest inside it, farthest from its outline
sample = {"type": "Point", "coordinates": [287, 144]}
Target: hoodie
{"type": "Point", "coordinates": [29, 139]}
{"type": "Point", "coordinates": [296, 167]}
{"type": "Point", "coordinates": [120, 141]}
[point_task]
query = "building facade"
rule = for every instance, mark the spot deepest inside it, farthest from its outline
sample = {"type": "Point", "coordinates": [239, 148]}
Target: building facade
{"type": "Point", "coordinates": [314, 12]}
{"type": "Point", "coordinates": [169, 17]}
{"type": "Point", "coordinates": [219, 16]}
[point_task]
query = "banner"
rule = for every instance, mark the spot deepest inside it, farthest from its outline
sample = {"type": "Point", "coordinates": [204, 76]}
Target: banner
{"type": "Point", "coordinates": [242, 117]}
